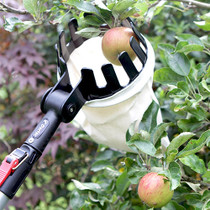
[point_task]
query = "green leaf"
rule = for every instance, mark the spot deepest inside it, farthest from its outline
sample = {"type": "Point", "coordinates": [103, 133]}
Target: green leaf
{"type": "Point", "coordinates": [206, 205]}
{"type": "Point", "coordinates": [206, 176]}
{"type": "Point", "coordinates": [14, 23]}
{"type": "Point", "coordinates": [205, 85]}
{"type": "Point", "coordinates": [82, 135]}
{"type": "Point", "coordinates": [121, 6]}
{"type": "Point", "coordinates": [11, 23]}
{"type": "Point", "coordinates": [190, 39]}
{"type": "Point", "coordinates": [206, 17]}
{"type": "Point", "coordinates": [131, 131]}
{"type": "Point", "coordinates": [88, 186]}
{"type": "Point", "coordinates": [171, 155]}
{"type": "Point", "coordinates": [3, 93]}
{"type": "Point", "coordinates": [144, 146]}
{"type": "Point", "coordinates": [180, 107]}
{"type": "Point", "coordinates": [89, 32]}
{"type": "Point", "coordinates": [134, 172]}
{"type": "Point", "coordinates": [194, 199]}
{"type": "Point", "coordinates": [180, 45]}
{"type": "Point", "coordinates": [205, 25]}
{"type": "Point", "coordinates": [179, 63]}
{"type": "Point", "coordinates": [176, 143]}
{"type": "Point", "coordinates": [159, 131]}
{"type": "Point", "coordinates": [206, 195]}
{"type": "Point", "coordinates": [194, 146]}
{"type": "Point", "coordinates": [166, 48]}
{"type": "Point", "coordinates": [194, 162]}
{"type": "Point", "coordinates": [175, 171]}
{"type": "Point", "coordinates": [92, 21]}
{"type": "Point", "coordinates": [177, 93]}
{"type": "Point", "coordinates": [84, 6]}
{"type": "Point", "coordinates": [190, 124]}
{"type": "Point", "coordinates": [204, 89]}
{"type": "Point", "coordinates": [101, 165]}
{"type": "Point", "coordinates": [3, 132]}
{"type": "Point", "coordinates": [183, 86]}
{"type": "Point", "coordinates": [189, 48]}
{"type": "Point", "coordinates": [105, 155]}
{"type": "Point", "coordinates": [166, 76]}
{"type": "Point", "coordinates": [194, 187]}
{"type": "Point", "coordinates": [122, 183]}
{"type": "Point", "coordinates": [142, 7]}
{"type": "Point", "coordinates": [149, 119]}
{"type": "Point", "coordinates": [101, 5]}
{"type": "Point", "coordinates": [77, 199]}
{"type": "Point", "coordinates": [31, 6]}
{"type": "Point", "coordinates": [198, 112]}
{"type": "Point", "coordinates": [173, 205]}
{"type": "Point", "coordinates": [128, 13]}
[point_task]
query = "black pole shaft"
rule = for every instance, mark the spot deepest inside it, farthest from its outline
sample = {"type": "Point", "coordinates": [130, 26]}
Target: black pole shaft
{"type": "Point", "coordinates": [33, 146]}
{"type": "Point", "coordinates": [43, 132]}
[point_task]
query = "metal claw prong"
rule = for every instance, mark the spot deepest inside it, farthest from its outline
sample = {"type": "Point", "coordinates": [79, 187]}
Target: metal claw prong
{"type": "Point", "coordinates": [61, 64]}
{"type": "Point", "coordinates": [128, 65]}
{"type": "Point", "coordinates": [89, 86]}
{"type": "Point", "coordinates": [138, 50]}
{"type": "Point", "coordinates": [63, 49]}
{"type": "Point", "coordinates": [110, 77]}
{"type": "Point", "coordinates": [139, 36]}
{"type": "Point", "coordinates": [75, 38]}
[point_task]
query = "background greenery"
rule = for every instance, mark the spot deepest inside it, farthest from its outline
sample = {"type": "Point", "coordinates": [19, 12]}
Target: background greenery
{"type": "Point", "coordinates": [76, 173]}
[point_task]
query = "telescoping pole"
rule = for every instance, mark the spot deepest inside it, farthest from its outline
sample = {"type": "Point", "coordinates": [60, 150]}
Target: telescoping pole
{"type": "Point", "coordinates": [59, 105]}
{"type": "Point", "coordinates": [3, 200]}
{"type": "Point", "coordinates": [17, 165]}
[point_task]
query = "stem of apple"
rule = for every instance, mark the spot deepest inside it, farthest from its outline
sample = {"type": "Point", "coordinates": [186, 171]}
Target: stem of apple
{"type": "Point", "coordinates": [141, 158]}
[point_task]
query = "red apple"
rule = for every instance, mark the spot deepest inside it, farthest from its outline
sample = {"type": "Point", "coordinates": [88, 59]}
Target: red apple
{"type": "Point", "coordinates": [115, 41]}
{"type": "Point", "coordinates": [154, 190]}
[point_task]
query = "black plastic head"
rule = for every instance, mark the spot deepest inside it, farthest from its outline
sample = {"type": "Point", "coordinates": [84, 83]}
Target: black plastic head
{"type": "Point", "coordinates": [89, 89]}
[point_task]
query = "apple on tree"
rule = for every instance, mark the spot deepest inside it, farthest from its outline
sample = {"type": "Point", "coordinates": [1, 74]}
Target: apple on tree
{"type": "Point", "coordinates": [154, 190]}
{"type": "Point", "coordinates": [115, 41]}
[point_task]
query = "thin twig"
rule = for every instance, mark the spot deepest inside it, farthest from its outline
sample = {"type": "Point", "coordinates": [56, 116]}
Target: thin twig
{"type": "Point", "coordinates": [200, 128]}
{"type": "Point", "coordinates": [196, 3]}
{"type": "Point", "coordinates": [192, 2]}
{"type": "Point", "coordinates": [194, 181]}
{"type": "Point", "coordinates": [6, 8]}
{"type": "Point", "coordinates": [7, 145]}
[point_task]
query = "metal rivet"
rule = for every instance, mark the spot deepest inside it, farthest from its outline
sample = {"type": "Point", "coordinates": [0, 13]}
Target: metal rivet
{"type": "Point", "coordinates": [71, 108]}
{"type": "Point", "coordinates": [31, 140]}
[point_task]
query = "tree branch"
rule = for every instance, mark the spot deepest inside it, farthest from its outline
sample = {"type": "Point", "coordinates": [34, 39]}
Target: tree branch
{"type": "Point", "coordinates": [196, 3]}
{"type": "Point", "coordinates": [192, 2]}
{"type": "Point", "coordinates": [6, 8]}
{"type": "Point", "coordinates": [190, 179]}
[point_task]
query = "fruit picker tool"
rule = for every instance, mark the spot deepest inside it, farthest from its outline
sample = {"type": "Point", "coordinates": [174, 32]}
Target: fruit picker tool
{"type": "Point", "coordinates": [61, 103]}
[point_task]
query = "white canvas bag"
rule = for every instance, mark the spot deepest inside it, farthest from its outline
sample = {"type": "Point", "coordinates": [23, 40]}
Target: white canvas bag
{"type": "Point", "coordinates": [107, 120]}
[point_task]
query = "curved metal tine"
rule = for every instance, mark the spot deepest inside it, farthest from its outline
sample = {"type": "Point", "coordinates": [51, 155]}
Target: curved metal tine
{"type": "Point", "coordinates": [128, 65]}
{"type": "Point", "coordinates": [88, 86]}
{"type": "Point", "coordinates": [77, 39]}
{"type": "Point", "coordinates": [59, 70]}
{"type": "Point", "coordinates": [62, 45]}
{"type": "Point", "coordinates": [139, 36]}
{"type": "Point", "coordinates": [138, 50]}
{"type": "Point", "coordinates": [111, 78]}
{"type": "Point", "coordinates": [61, 64]}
